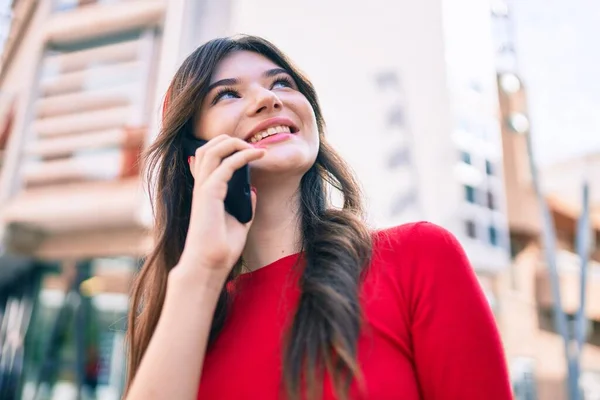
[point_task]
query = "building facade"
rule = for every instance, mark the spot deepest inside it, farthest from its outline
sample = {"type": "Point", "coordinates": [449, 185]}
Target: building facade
{"type": "Point", "coordinates": [409, 95]}
{"type": "Point", "coordinates": [79, 83]}
{"type": "Point", "coordinates": [535, 351]}
{"type": "Point", "coordinates": [408, 90]}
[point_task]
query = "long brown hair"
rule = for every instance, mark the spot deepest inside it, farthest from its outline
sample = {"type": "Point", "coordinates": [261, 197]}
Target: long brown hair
{"type": "Point", "coordinates": [336, 242]}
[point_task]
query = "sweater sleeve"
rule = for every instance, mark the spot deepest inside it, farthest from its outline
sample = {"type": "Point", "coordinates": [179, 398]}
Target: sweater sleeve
{"type": "Point", "coordinates": [457, 349]}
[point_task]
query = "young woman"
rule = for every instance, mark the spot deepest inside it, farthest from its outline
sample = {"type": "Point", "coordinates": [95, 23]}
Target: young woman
{"type": "Point", "coordinates": [303, 301]}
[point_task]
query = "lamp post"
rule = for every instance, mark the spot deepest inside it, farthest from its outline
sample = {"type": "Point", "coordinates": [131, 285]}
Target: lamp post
{"type": "Point", "coordinates": [573, 339]}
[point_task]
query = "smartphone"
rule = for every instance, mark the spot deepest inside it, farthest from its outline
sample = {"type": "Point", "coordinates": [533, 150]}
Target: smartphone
{"type": "Point", "coordinates": [238, 202]}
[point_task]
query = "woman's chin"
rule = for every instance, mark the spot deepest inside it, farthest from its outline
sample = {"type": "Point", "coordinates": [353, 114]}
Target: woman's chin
{"type": "Point", "coordinates": [277, 167]}
{"type": "Point", "coordinates": [280, 165]}
{"type": "Point", "coordinates": [281, 160]}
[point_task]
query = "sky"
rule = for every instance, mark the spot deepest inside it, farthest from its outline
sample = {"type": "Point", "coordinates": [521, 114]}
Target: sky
{"type": "Point", "coordinates": [559, 60]}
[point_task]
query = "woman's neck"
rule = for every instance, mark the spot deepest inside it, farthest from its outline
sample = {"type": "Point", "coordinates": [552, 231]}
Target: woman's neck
{"type": "Point", "coordinates": [275, 231]}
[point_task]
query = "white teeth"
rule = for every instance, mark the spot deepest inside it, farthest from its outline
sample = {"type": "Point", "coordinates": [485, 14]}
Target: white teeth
{"type": "Point", "coordinates": [269, 132]}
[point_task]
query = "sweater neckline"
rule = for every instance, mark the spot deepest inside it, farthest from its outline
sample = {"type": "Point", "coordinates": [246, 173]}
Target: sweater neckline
{"type": "Point", "coordinates": [273, 266]}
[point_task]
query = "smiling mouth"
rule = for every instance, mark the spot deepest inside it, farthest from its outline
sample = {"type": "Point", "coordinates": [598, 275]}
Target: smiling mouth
{"type": "Point", "coordinates": [274, 130]}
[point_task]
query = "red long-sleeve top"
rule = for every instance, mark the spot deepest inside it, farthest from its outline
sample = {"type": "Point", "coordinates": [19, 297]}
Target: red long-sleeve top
{"type": "Point", "coordinates": [428, 330]}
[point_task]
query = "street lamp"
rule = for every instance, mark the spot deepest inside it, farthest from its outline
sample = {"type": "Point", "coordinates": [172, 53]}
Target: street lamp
{"type": "Point", "coordinates": [518, 122]}
{"type": "Point", "coordinates": [510, 83]}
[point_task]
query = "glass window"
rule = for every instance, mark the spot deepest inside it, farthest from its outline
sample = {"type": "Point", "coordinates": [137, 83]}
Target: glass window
{"type": "Point", "coordinates": [523, 378]}
{"type": "Point", "coordinates": [489, 168]}
{"type": "Point", "coordinates": [465, 157]}
{"type": "Point", "coordinates": [493, 235]}
{"type": "Point", "coordinates": [491, 203]}
{"type": "Point", "coordinates": [471, 229]}
{"type": "Point", "coordinates": [403, 201]}
{"type": "Point", "coordinates": [470, 194]}
{"type": "Point", "coordinates": [399, 157]}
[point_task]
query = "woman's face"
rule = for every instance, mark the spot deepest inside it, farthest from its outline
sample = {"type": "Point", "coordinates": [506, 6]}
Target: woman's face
{"type": "Point", "coordinates": [254, 99]}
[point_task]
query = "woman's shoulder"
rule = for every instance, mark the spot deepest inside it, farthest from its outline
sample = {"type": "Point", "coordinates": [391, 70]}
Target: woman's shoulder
{"type": "Point", "coordinates": [414, 233]}
{"type": "Point", "coordinates": [421, 259]}
{"type": "Point", "coordinates": [418, 243]}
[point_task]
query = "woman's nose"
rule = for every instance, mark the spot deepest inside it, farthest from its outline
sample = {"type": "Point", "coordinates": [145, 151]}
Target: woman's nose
{"type": "Point", "coordinates": [264, 101]}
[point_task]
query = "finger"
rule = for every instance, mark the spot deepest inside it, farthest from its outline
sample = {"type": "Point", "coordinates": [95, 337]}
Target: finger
{"type": "Point", "coordinates": [200, 151]}
{"type": "Point", "coordinates": [214, 156]}
{"type": "Point", "coordinates": [194, 160]}
{"type": "Point", "coordinates": [210, 144]}
{"type": "Point", "coordinates": [225, 170]}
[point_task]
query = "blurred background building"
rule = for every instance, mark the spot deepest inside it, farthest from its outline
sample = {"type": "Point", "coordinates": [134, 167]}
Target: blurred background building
{"type": "Point", "coordinates": [424, 99]}
{"type": "Point", "coordinates": [526, 317]}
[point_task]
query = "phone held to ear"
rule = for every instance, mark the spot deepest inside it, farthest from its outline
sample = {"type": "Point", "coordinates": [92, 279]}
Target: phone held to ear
{"type": "Point", "coordinates": [238, 202]}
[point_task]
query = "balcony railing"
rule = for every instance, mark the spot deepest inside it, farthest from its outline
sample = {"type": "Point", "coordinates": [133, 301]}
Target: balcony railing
{"type": "Point", "coordinates": [79, 164]}
{"type": "Point", "coordinates": [90, 20]}
{"type": "Point", "coordinates": [89, 100]}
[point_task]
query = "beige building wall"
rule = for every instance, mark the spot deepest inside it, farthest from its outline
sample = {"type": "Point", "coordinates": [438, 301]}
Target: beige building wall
{"type": "Point", "coordinates": [524, 291]}
{"type": "Point", "coordinates": [519, 321]}
{"type": "Point", "coordinates": [55, 176]}
{"type": "Point", "coordinates": [522, 204]}
{"type": "Point", "coordinates": [18, 76]}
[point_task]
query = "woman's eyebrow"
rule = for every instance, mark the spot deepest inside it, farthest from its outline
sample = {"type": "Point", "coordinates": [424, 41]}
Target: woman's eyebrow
{"type": "Point", "coordinates": [224, 82]}
{"type": "Point", "coordinates": [235, 81]}
{"type": "Point", "coordinates": [274, 71]}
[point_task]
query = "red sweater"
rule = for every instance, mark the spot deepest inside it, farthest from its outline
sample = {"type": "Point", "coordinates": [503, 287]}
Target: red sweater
{"type": "Point", "coordinates": [429, 332]}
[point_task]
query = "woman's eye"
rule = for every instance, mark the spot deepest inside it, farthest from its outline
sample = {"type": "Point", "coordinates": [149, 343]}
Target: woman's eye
{"type": "Point", "coordinates": [226, 94]}
{"type": "Point", "coordinates": [282, 83]}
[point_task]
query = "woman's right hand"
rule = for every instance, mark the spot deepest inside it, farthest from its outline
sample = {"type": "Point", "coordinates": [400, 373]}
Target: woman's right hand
{"type": "Point", "coordinates": [215, 239]}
